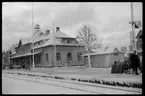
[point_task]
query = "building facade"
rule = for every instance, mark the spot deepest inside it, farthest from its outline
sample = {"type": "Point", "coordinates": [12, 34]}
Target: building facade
{"type": "Point", "coordinates": [50, 49]}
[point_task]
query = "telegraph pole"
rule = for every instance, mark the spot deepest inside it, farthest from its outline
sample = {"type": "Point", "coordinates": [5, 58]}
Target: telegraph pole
{"type": "Point", "coordinates": [33, 36]}
{"type": "Point", "coordinates": [54, 44]}
{"type": "Point", "coordinates": [132, 25]}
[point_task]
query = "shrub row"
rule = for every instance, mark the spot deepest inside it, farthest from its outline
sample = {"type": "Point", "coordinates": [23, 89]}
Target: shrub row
{"type": "Point", "coordinates": [113, 83]}
{"type": "Point", "coordinates": [93, 80]}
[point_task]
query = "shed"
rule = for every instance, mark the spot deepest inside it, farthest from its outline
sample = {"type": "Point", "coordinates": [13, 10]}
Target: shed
{"type": "Point", "coordinates": [104, 60]}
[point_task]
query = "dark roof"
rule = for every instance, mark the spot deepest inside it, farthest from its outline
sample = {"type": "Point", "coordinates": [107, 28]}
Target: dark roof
{"type": "Point", "coordinates": [50, 37]}
{"type": "Point", "coordinates": [139, 34]}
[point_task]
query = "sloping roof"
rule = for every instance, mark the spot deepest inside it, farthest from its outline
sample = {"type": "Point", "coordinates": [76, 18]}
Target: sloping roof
{"type": "Point", "coordinates": [26, 40]}
{"type": "Point", "coordinates": [100, 53]}
{"type": "Point", "coordinates": [13, 46]}
{"type": "Point", "coordinates": [61, 34]}
{"type": "Point", "coordinates": [139, 33]}
{"type": "Point", "coordinates": [27, 54]}
{"type": "Point", "coordinates": [111, 49]}
{"type": "Point", "coordinates": [49, 36]}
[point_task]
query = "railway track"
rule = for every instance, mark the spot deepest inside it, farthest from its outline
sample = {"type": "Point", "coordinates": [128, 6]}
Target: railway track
{"type": "Point", "coordinates": [72, 85]}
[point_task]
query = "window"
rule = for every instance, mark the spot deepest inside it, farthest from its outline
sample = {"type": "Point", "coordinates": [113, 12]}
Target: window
{"type": "Point", "coordinates": [47, 57]}
{"type": "Point", "coordinates": [58, 56]}
{"type": "Point", "coordinates": [68, 41]}
{"type": "Point", "coordinates": [39, 43]}
{"type": "Point", "coordinates": [65, 41]}
{"type": "Point", "coordinates": [41, 34]}
{"type": "Point", "coordinates": [38, 58]}
{"type": "Point", "coordinates": [69, 57]}
{"type": "Point", "coordinates": [140, 46]}
{"type": "Point", "coordinates": [137, 46]}
{"type": "Point", "coordinates": [116, 53]}
{"type": "Point", "coordinates": [79, 57]}
{"type": "Point", "coordinates": [22, 49]}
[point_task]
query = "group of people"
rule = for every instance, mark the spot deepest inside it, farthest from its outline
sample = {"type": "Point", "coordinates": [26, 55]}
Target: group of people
{"type": "Point", "coordinates": [134, 63]}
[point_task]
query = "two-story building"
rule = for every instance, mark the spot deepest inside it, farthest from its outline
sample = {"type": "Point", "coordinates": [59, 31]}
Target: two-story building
{"type": "Point", "coordinates": [50, 49]}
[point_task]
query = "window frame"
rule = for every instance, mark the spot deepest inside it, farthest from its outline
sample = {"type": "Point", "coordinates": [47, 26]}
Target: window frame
{"type": "Point", "coordinates": [58, 57]}
{"type": "Point", "coordinates": [46, 57]}
{"type": "Point", "coordinates": [79, 57]}
{"type": "Point", "coordinates": [69, 58]}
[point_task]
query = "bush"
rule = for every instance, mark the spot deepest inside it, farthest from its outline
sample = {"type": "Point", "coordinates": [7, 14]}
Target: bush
{"type": "Point", "coordinates": [97, 81]}
{"type": "Point", "coordinates": [58, 77]}
{"type": "Point", "coordinates": [73, 79]}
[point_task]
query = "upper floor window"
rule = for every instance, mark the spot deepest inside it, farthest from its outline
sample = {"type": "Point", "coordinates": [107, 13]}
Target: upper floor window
{"type": "Point", "coordinates": [41, 33]}
{"type": "Point", "coordinates": [22, 49]}
{"type": "Point", "coordinates": [68, 41]}
{"type": "Point", "coordinates": [39, 43]}
{"type": "Point", "coordinates": [58, 56]}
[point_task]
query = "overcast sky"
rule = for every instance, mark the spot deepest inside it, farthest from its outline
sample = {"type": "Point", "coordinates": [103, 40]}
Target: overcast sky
{"type": "Point", "coordinates": [110, 21]}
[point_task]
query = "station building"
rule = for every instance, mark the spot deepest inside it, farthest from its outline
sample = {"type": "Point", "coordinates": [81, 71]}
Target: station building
{"type": "Point", "coordinates": [68, 51]}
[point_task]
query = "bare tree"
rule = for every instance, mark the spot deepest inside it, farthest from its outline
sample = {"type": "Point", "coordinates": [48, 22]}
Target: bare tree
{"type": "Point", "coordinates": [88, 39]}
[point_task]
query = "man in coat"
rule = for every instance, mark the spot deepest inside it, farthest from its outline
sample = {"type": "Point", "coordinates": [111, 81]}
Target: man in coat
{"type": "Point", "coordinates": [135, 62]}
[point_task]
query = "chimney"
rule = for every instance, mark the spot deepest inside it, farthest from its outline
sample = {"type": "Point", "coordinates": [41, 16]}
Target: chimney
{"type": "Point", "coordinates": [57, 29]}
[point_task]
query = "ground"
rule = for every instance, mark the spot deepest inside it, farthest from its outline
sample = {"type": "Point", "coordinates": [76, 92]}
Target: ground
{"type": "Point", "coordinates": [13, 86]}
{"type": "Point", "coordinates": [100, 73]}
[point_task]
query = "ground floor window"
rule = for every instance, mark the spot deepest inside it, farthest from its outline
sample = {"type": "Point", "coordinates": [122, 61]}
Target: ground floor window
{"type": "Point", "coordinates": [69, 57]}
{"type": "Point", "coordinates": [46, 57]}
{"type": "Point", "coordinates": [79, 56]}
{"type": "Point", "coordinates": [58, 56]}
{"type": "Point", "coordinates": [39, 59]}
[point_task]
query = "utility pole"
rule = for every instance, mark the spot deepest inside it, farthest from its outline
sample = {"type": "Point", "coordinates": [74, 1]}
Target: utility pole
{"type": "Point", "coordinates": [54, 44]}
{"type": "Point", "coordinates": [33, 36]}
{"type": "Point", "coordinates": [132, 25]}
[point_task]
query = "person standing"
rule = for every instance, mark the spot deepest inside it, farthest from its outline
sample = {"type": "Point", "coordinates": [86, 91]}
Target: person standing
{"type": "Point", "coordinates": [135, 62]}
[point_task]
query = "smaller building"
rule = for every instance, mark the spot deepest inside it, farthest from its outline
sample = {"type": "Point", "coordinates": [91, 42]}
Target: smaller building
{"type": "Point", "coordinates": [139, 44]}
{"type": "Point", "coordinates": [105, 59]}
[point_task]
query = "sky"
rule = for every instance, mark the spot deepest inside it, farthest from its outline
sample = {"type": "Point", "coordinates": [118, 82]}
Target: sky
{"type": "Point", "coordinates": [109, 21]}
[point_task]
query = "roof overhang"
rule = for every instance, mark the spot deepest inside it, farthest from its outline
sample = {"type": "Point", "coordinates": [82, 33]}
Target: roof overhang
{"type": "Point", "coordinates": [23, 55]}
